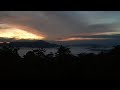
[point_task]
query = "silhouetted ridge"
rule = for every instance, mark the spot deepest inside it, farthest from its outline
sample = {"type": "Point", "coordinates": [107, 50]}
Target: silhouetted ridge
{"type": "Point", "coordinates": [32, 44]}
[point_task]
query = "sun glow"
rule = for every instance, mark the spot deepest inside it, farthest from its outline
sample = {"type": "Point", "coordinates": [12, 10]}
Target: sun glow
{"type": "Point", "coordinates": [19, 34]}
{"type": "Point", "coordinates": [80, 38]}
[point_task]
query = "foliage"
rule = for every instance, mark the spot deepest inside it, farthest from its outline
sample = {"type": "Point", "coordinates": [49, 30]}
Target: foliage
{"type": "Point", "coordinates": [60, 65]}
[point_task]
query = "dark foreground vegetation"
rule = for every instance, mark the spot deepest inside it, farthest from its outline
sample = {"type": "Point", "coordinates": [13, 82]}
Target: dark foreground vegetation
{"type": "Point", "coordinates": [61, 65]}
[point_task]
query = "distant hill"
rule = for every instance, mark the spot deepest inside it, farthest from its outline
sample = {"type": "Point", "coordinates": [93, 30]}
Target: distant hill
{"type": "Point", "coordinates": [31, 44]}
{"type": "Point", "coordinates": [89, 43]}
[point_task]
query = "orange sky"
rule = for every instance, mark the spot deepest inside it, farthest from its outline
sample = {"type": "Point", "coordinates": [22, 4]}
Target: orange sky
{"type": "Point", "coordinates": [17, 33]}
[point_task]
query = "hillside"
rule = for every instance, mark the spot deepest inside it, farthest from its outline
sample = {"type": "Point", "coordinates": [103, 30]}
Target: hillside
{"type": "Point", "coordinates": [32, 44]}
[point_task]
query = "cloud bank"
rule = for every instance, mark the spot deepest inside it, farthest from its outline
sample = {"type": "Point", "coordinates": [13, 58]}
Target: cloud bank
{"type": "Point", "coordinates": [55, 25]}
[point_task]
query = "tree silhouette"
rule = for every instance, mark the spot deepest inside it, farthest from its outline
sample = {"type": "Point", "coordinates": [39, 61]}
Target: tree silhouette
{"type": "Point", "coordinates": [60, 65]}
{"type": "Point", "coordinates": [9, 53]}
{"type": "Point", "coordinates": [63, 51]}
{"type": "Point", "coordinates": [36, 56]}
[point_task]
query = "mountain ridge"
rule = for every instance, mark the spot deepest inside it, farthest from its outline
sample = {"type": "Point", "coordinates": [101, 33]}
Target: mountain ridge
{"type": "Point", "coordinates": [32, 44]}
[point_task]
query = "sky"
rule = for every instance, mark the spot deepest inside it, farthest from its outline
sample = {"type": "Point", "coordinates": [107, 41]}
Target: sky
{"type": "Point", "coordinates": [59, 25]}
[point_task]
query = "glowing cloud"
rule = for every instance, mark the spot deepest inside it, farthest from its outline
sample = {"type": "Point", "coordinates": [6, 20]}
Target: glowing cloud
{"type": "Point", "coordinates": [107, 33]}
{"type": "Point", "coordinates": [94, 34]}
{"type": "Point", "coordinates": [19, 34]}
{"type": "Point", "coordinates": [80, 38]}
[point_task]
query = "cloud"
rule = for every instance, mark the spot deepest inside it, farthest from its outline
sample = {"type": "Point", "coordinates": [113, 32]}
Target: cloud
{"type": "Point", "coordinates": [57, 24]}
{"type": "Point", "coordinates": [7, 39]}
{"type": "Point", "coordinates": [82, 39]}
